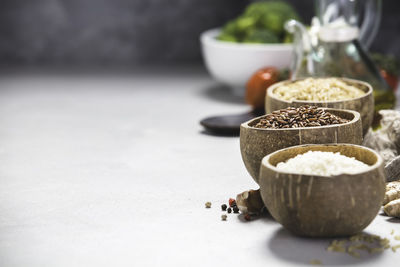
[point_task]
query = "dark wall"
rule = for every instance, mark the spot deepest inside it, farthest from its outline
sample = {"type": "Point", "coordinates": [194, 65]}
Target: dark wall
{"type": "Point", "coordinates": [129, 32]}
{"type": "Point", "coordinates": [388, 37]}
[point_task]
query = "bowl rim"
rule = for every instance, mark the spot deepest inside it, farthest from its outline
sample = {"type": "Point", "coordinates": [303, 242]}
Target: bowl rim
{"type": "Point", "coordinates": [357, 117]}
{"type": "Point", "coordinates": [265, 161]}
{"type": "Point", "coordinates": [208, 38]}
{"type": "Point", "coordinates": [271, 94]}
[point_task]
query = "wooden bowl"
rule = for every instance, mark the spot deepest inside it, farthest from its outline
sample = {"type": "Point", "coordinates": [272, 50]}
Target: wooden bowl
{"type": "Point", "coordinates": [256, 143]}
{"type": "Point", "coordinates": [323, 206]}
{"type": "Point", "coordinates": [363, 104]}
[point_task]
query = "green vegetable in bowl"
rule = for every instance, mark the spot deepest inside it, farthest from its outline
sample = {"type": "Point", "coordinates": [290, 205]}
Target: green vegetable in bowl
{"type": "Point", "coordinates": [261, 36]}
{"type": "Point", "coordinates": [227, 37]}
{"type": "Point", "coordinates": [230, 28]}
{"type": "Point", "coordinates": [261, 22]}
{"type": "Point", "coordinates": [244, 24]}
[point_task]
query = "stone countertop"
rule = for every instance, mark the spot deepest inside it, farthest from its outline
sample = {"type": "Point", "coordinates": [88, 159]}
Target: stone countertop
{"type": "Point", "coordinates": [114, 170]}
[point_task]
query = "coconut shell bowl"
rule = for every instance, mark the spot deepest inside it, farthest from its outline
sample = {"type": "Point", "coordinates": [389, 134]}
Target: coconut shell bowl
{"type": "Point", "coordinates": [256, 143]}
{"type": "Point", "coordinates": [323, 206]}
{"type": "Point", "coordinates": [363, 104]}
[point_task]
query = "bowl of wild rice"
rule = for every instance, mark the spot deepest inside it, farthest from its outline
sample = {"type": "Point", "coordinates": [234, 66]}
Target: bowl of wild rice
{"type": "Point", "coordinates": [339, 93]}
{"type": "Point", "coordinates": [326, 190]}
{"type": "Point", "coordinates": [295, 126]}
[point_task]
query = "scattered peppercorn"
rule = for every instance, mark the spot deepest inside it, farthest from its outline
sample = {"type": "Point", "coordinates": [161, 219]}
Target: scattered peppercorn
{"type": "Point", "coordinates": [247, 217]}
{"type": "Point", "coordinates": [232, 202]}
{"type": "Point", "coordinates": [229, 210]}
{"type": "Point", "coordinates": [235, 209]}
{"type": "Point", "coordinates": [223, 207]}
{"type": "Point", "coordinates": [208, 205]}
{"type": "Point", "coordinates": [223, 217]}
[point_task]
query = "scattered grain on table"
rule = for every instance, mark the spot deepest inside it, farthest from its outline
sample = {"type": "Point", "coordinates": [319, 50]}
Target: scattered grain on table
{"type": "Point", "coordinates": [315, 262]}
{"type": "Point", "coordinates": [355, 244]}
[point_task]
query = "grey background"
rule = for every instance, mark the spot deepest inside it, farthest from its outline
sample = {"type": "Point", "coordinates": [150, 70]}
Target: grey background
{"type": "Point", "coordinates": [131, 32]}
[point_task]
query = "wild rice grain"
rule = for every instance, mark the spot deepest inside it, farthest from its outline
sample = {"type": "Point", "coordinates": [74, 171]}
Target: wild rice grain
{"type": "Point", "coordinates": [304, 116]}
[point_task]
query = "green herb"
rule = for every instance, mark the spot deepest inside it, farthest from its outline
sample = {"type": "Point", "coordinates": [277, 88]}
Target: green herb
{"type": "Point", "coordinates": [261, 22]}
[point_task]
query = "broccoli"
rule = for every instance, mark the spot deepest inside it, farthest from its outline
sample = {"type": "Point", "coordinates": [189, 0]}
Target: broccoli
{"type": "Point", "coordinates": [244, 24]}
{"type": "Point", "coordinates": [262, 18]}
{"type": "Point", "coordinates": [274, 22]}
{"type": "Point", "coordinates": [262, 7]}
{"type": "Point", "coordinates": [272, 15]}
{"type": "Point", "coordinates": [227, 38]}
{"type": "Point", "coordinates": [237, 28]}
{"type": "Point", "coordinates": [261, 36]}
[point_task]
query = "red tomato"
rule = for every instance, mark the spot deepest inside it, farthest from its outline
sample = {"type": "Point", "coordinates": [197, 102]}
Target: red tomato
{"type": "Point", "coordinates": [258, 84]}
{"type": "Point", "coordinates": [392, 80]}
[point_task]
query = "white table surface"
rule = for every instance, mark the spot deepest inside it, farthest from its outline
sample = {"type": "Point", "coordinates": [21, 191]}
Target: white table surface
{"type": "Point", "coordinates": [115, 170]}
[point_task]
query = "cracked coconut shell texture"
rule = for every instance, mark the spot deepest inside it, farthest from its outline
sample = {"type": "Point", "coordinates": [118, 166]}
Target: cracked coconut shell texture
{"type": "Point", "coordinates": [322, 206]}
{"type": "Point", "coordinates": [256, 143]}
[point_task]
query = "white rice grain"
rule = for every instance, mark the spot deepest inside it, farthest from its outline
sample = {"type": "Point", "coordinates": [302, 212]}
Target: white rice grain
{"type": "Point", "coordinates": [322, 163]}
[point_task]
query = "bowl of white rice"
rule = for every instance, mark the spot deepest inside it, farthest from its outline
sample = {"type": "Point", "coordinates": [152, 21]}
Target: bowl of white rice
{"type": "Point", "coordinates": [323, 190]}
{"type": "Point", "coordinates": [331, 92]}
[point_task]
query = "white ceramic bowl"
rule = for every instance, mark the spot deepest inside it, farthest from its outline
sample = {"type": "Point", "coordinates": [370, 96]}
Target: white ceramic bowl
{"type": "Point", "coordinates": [234, 63]}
